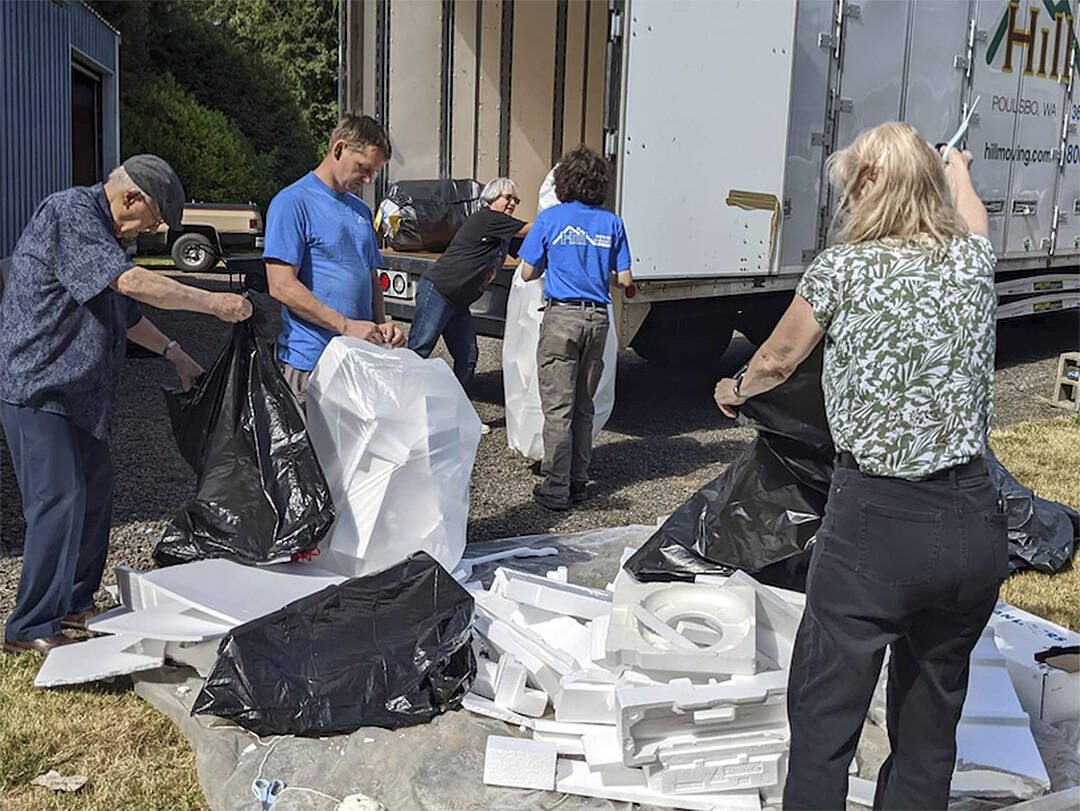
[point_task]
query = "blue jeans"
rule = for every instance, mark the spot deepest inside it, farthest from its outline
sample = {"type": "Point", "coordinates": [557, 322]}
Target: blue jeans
{"type": "Point", "coordinates": [65, 476]}
{"type": "Point", "coordinates": [435, 316]}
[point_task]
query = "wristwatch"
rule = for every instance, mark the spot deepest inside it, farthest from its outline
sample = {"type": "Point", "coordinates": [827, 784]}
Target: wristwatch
{"type": "Point", "coordinates": [170, 345]}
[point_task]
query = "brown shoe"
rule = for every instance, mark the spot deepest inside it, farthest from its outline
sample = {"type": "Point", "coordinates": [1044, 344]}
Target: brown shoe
{"type": "Point", "coordinates": [76, 620]}
{"type": "Point", "coordinates": [42, 644]}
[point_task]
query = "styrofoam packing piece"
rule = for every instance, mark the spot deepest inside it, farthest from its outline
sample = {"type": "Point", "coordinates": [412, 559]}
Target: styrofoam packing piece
{"type": "Point", "coordinates": [464, 570]}
{"type": "Point", "coordinates": [101, 657]}
{"type": "Point", "coordinates": [686, 715]}
{"type": "Point", "coordinates": [602, 750]}
{"type": "Point", "coordinates": [635, 640]}
{"type": "Point", "coordinates": [519, 763]}
{"type": "Point", "coordinates": [777, 620]}
{"type": "Point", "coordinates": [563, 633]}
{"type": "Point", "coordinates": [598, 634]}
{"type": "Point", "coordinates": [996, 755]}
{"type": "Point", "coordinates": [565, 745]}
{"type": "Point", "coordinates": [199, 656]}
{"type": "Point", "coordinates": [486, 707]}
{"type": "Point", "coordinates": [545, 664]}
{"type": "Point", "coordinates": [591, 675]}
{"type": "Point", "coordinates": [734, 763]}
{"type": "Point", "coordinates": [511, 692]}
{"type": "Point", "coordinates": [484, 683]}
{"type": "Point", "coordinates": [560, 573]}
{"type": "Point", "coordinates": [861, 792]}
{"type": "Point", "coordinates": [1046, 693]}
{"type": "Point", "coordinates": [551, 595]}
{"type": "Point", "coordinates": [546, 725]}
{"type": "Point", "coordinates": [236, 593]}
{"type": "Point", "coordinates": [170, 621]}
{"type": "Point", "coordinates": [585, 702]}
{"type": "Point", "coordinates": [631, 785]}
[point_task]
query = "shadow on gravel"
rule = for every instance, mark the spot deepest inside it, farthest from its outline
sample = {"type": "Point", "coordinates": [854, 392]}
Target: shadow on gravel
{"type": "Point", "coordinates": [1034, 338]}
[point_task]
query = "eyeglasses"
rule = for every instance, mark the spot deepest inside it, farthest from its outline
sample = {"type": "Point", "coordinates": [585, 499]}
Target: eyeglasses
{"type": "Point", "coordinates": [511, 198]}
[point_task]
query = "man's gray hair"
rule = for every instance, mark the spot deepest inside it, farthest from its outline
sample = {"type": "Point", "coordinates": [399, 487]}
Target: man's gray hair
{"type": "Point", "coordinates": [496, 188]}
{"type": "Point", "coordinates": [120, 177]}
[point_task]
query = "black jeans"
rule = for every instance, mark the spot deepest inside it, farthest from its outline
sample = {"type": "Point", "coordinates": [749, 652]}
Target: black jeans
{"type": "Point", "coordinates": [914, 566]}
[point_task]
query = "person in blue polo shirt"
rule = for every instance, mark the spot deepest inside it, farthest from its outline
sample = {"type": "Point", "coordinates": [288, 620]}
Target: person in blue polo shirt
{"type": "Point", "coordinates": [322, 261]}
{"type": "Point", "coordinates": [580, 248]}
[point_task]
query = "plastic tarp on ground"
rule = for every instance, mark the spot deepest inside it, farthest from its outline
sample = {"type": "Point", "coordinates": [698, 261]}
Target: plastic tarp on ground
{"type": "Point", "coordinates": [424, 215]}
{"type": "Point", "coordinates": [391, 649]}
{"type": "Point", "coordinates": [260, 495]}
{"type": "Point", "coordinates": [397, 438]}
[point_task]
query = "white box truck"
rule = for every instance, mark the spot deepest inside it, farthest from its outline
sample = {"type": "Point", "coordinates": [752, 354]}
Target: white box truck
{"type": "Point", "coordinates": [718, 118]}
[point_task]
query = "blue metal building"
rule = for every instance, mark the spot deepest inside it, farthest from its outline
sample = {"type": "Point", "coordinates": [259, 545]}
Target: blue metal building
{"type": "Point", "coordinates": [59, 104]}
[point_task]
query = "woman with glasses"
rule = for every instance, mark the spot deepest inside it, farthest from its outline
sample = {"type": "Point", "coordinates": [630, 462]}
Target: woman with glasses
{"type": "Point", "coordinates": [459, 277]}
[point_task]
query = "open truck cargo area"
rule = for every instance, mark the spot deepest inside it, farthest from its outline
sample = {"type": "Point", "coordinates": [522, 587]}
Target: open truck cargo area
{"type": "Point", "coordinates": [718, 119]}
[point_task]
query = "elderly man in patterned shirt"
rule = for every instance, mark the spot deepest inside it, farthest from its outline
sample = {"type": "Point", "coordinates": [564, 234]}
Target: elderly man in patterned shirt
{"type": "Point", "coordinates": [912, 547]}
{"type": "Point", "coordinates": [69, 307]}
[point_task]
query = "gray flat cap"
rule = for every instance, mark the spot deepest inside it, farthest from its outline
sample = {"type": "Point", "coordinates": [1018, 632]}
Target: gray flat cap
{"type": "Point", "coordinates": [155, 177]}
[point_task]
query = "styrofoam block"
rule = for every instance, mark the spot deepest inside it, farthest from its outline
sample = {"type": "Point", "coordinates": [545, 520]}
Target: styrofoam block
{"type": "Point", "coordinates": [200, 656]}
{"type": "Point", "coordinates": [488, 708]}
{"type": "Point", "coordinates": [562, 633]}
{"type": "Point", "coordinates": [592, 675]}
{"type": "Point", "coordinates": [560, 573]}
{"type": "Point", "coordinates": [585, 702]}
{"type": "Point", "coordinates": [684, 715]}
{"type": "Point", "coordinates": [598, 634]}
{"type": "Point", "coordinates": [396, 437]}
{"type": "Point", "coordinates": [171, 621]}
{"type": "Point", "coordinates": [511, 692]}
{"type": "Point", "coordinates": [101, 657]}
{"type": "Point", "coordinates": [996, 755]}
{"type": "Point", "coordinates": [484, 683]}
{"type": "Point", "coordinates": [519, 763]}
{"type": "Point", "coordinates": [734, 771]}
{"type": "Point", "coordinates": [631, 785]}
{"type": "Point", "coordinates": [861, 792]}
{"type": "Point", "coordinates": [544, 664]}
{"type": "Point", "coordinates": [552, 595]}
{"type": "Point", "coordinates": [645, 616]}
{"type": "Point", "coordinates": [777, 620]}
{"type": "Point", "coordinates": [565, 745]}
{"type": "Point", "coordinates": [602, 750]}
{"type": "Point", "coordinates": [564, 728]}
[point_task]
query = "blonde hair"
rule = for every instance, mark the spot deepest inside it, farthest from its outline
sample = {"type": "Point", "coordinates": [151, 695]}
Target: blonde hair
{"type": "Point", "coordinates": [892, 184]}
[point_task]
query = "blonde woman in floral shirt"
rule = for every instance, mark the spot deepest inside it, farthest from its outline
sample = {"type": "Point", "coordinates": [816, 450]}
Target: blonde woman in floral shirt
{"type": "Point", "coordinates": [912, 547]}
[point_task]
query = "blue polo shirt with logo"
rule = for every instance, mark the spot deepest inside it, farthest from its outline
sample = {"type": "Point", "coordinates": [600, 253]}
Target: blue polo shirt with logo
{"type": "Point", "coordinates": [331, 239]}
{"type": "Point", "coordinates": [577, 246]}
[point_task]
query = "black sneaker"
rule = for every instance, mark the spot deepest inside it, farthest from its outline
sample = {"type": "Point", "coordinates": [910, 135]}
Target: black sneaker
{"type": "Point", "coordinates": [579, 491]}
{"type": "Point", "coordinates": [550, 501]}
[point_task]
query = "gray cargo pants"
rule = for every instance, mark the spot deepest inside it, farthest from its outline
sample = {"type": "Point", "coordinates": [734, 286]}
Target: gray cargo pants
{"type": "Point", "coordinates": [570, 360]}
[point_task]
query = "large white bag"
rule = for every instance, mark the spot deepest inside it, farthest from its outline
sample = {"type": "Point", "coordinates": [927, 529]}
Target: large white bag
{"type": "Point", "coordinates": [397, 438]}
{"type": "Point", "coordinates": [521, 387]}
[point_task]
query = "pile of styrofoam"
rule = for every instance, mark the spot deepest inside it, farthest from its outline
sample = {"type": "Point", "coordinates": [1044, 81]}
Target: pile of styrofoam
{"type": "Point", "coordinates": [675, 694]}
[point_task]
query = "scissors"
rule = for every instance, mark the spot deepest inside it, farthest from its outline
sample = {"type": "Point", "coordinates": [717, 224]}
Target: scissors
{"type": "Point", "coordinates": [267, 791]}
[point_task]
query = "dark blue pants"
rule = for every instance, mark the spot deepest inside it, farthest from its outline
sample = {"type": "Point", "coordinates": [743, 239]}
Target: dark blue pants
{"type": "Point", "coordinates": [435, 316]}
{"type": "Point", "coordinates": [912, 566]}
{"type": "Point", "coordinates": [65, 476]}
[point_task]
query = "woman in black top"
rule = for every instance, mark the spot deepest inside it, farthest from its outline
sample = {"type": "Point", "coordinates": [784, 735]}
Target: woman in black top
{"type": "Point", "coordinates": [459, 276]}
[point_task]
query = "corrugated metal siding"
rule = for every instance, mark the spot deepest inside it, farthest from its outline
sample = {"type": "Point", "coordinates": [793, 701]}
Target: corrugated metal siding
{"type": "Point", "coordinates": [35, 102]}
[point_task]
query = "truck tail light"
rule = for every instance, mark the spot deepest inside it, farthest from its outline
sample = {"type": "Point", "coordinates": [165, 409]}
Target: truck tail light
{"type": "Point", "coordinates": [631, 291]}
{"type": "Point", "coordinates": [253, 224]}
{"type": "Point", "coordinates": [384, 281]}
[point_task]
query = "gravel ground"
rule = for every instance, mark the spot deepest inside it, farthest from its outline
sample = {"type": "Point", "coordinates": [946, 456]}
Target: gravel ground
{"type": "Point", "coordinates": [664, 441]}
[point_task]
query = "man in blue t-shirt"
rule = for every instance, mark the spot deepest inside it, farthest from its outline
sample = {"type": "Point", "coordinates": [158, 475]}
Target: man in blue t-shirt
{"type": "Point", "coordinates": [579, 247]}
{"type": "Point", "coordinates": [322, 261]}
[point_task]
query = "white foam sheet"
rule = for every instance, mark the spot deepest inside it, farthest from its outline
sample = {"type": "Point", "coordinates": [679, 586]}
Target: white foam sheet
{"type": "Point", "coordinates": [171, 621]}
{"type": "Point", "coordinates": [99, 658]}
{"type": "Point", "coordinates": [520, 763]}
{"type": "Point", "coordinates": [199, 656]}
{"type": "Point", "coordinates": [521, 387]}
{"type": "Point", "coordinates": [396, 436]}
{"type": "Point", "coordinates": [236, 593]}
{"type": "Point", "coordinates": [631, 786]}
{"type": "Point", "coordinates": [996, 755]}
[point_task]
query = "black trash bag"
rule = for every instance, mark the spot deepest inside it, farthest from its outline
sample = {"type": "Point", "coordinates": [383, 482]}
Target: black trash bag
{"type": "Point", "coordinates": [761, 514]}
{"type": "Point", "coordinates": [431, 212]}
{"type": "Point", "coordinates": [391, 649]}
{"type": "Point", "coordinates": [1042, 534]}
{"type": "Point", "coordinates": [261, 495]}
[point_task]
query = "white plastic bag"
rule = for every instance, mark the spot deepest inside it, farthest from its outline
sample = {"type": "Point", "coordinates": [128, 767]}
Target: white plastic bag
{"type": "Point", "coordinates": [521, 386]}
{"type": "Point", "coordinates": [397, 438]}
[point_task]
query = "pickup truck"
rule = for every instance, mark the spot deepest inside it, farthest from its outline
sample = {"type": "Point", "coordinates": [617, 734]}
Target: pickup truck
{"type": "Point", "coordinates": [210, 231]}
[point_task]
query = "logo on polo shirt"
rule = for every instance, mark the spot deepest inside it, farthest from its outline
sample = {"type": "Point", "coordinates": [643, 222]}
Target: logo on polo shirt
{"type": "Point", "coordinates": [572, 235]}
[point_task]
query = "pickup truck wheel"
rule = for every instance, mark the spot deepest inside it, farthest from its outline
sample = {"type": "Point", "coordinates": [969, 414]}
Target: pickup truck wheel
{"type": "Point", "coordinates": [688, 344]}
{"type": "Point", "coordinates": [193, 253]}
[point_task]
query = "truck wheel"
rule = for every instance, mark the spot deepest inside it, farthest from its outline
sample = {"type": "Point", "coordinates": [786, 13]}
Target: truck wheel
{"type": "Point", "coordinates": [686, 343]}
{"type": "Point", "coordinates": [193, 253]}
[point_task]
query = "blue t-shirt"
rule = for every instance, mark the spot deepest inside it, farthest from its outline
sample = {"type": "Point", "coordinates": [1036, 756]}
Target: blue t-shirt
{"type": "Point", "coordinates": [63, 329]}
{"type": "Point", "coordinates": [577, 246]}
{"type": "Point", "coordinates": [331, 239]}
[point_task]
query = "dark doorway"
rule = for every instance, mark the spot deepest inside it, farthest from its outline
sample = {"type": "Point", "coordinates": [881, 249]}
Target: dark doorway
{"type": "Point", "coordinates": [86, 148]}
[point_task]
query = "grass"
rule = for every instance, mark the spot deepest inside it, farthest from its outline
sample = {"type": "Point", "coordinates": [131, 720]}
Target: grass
{"type": "Point", "coordinates": [137, 759]}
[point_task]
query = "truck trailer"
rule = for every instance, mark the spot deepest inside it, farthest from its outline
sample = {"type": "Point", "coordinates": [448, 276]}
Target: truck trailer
{"type": "Point", "coordinates": [718, 118]}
